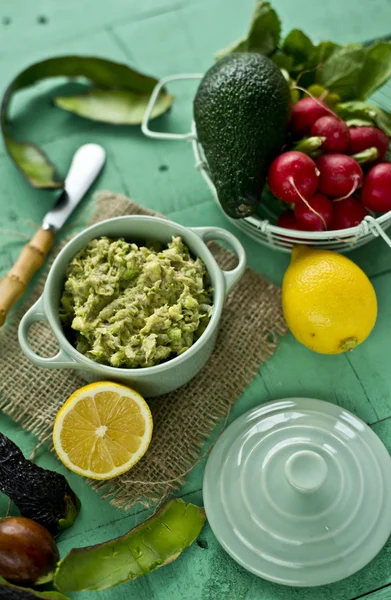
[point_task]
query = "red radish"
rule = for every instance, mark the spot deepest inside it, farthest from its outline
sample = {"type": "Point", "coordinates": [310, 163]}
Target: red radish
{"type": "Point", "coordinates": [376, 191]}
{"type": "Point", "coordinates": [347, 213]}
{"type": "Point", "coordinates": [340, 175]}
{"type": "Point", "coordinates": [287, 220]}
{"type": "Point", "coordinates": [362, 138]}
{"type": "Point", "coordinates": [316, 214]}
{"type": "Point", "coordinates": [304, 114]}
{"type": "Point", "coordinates": [335, 131]}
{"type": "Point", "coordinates": [293, 176]}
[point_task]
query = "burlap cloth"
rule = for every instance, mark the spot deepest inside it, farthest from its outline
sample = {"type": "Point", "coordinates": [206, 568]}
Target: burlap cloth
{"type": "Point", "coordinates": [250, 324]}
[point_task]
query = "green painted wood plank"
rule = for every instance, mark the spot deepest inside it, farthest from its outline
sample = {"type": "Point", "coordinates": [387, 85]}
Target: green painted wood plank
{"type": "Point", "coordinates": [316, 376]}
{"type": "Point", "coordinates": [44, 22]}
{"type": "Point", "coordinates": [381, 594]}
{"type": "Point", "coordinates": [196, 32]}
{"type": "Point", "coordinates": [338, 21]}
{"type": "Point", "coordinates": [371, 359]}
{"type": "Point", "coordinates": [163, 43]}
{"type": "Point", "coordinates": [255, 394]}
{"type": "Point", "coordinates": [374, 258]}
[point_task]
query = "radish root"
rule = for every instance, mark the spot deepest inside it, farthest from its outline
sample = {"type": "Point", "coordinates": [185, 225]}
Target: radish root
{"type": "Point", "coordinates": [353, 189]}
{"type": "Point", "coordinates": [317, 100]}
{"type": "Point", "coordinates": [292, 182]}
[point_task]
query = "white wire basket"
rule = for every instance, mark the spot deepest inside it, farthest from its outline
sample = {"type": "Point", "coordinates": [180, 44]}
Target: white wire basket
{"type": "Point", "coordinates": [262, 228]}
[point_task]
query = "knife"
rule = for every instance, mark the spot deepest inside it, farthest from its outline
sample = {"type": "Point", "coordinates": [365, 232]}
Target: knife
{"type": "Point", "coordinates": [85, 167]}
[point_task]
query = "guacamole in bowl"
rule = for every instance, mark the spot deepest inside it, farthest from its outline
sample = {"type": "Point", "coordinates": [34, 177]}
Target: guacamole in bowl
{"type": "Point", "coordinates": [129, 305]}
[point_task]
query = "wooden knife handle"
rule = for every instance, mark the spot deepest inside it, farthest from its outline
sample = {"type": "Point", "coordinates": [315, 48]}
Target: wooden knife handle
{"type": "Point", "coordinates": [31, 258]}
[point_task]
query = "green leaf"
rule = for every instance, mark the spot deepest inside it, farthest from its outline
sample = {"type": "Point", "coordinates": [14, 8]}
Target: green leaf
{"type": "Point", "coordinates": [359, 123]}
{"type": "Point", "coordinates": [299, 46]}
{"type": "Point", "coordinates": [356, 109]}
{"type": "Point", "coordinates": [265, 30]}
{"type": "Point", "coordinates": [283, 61]}
{"type": "Point", "coordinates": [305, 57]}
{"type": "Point", "coordinates": [118, 107]}
{"type": "Point", "coordinates": [108, 75]}
{"type": "Point", "coordinates": [367, 155]}
{"type": "Point", "coordinates": [383, 119]}
{"type": "Point", "coordinates": [376, 69]}
{"type": "Point", "coordinates": [322, 52]}
{"type": "Point", "coordinates": [263, 35]}
{"type": "Point", "coordinates": [341, 71]}
{"type": "Point", "coordinates": [153, 544]}
{"type": "Point", "coordinates": [365, 111]}
{"type": "Point", "coordinates": [309, 145]}
{"type": "Point", "coordinates": [308, 72]}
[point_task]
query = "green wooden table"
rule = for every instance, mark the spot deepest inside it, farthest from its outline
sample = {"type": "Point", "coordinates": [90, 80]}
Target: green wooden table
{"type": "Point", "coordinates": [165, 37]}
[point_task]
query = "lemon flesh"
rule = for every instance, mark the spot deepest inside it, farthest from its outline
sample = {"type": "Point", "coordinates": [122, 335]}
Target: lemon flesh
{"type": "Point", "coordinates": [102, 430]}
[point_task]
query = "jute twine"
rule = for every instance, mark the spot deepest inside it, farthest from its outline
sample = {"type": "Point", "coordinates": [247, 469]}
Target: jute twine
{"type": "Point", "coordinates": [183, 420]}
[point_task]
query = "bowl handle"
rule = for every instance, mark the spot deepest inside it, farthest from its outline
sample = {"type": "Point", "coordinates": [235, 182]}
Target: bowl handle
{"type": "Point", "coordinates": [60, 360]}
{"type": "Point", "coordinates": [208, 234]}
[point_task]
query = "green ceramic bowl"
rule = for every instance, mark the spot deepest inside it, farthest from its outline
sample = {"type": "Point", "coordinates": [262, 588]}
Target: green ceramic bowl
{"type": "Point", "coordinates": [150, 381]}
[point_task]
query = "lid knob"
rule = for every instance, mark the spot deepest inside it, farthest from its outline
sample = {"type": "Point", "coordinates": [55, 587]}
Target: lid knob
{"type": "Point", "coordinates": [306, 471]}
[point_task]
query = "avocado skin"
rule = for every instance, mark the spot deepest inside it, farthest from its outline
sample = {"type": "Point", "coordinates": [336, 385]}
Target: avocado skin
{"type": "Point", "coordinates": [8, 591]}
{"type": "Point", "coordinates": [41, 495]}
{"type": "Point", "coordinates": [241, 112]}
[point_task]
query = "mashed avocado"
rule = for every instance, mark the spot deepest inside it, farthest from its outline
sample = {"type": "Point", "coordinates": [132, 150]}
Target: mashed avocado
{"type": "Point", "coordinates": [135, 306]}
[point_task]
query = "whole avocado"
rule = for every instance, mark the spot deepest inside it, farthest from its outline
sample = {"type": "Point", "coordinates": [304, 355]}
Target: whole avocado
{"type": "Point", "coordinates": [241, 112]}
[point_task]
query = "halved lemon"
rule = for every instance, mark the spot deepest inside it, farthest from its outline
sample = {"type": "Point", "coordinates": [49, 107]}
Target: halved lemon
{"type": "Point", "coordinates": [102, 430]}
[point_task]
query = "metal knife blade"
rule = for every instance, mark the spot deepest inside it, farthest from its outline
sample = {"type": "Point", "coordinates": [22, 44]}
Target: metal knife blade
{"type": "Point", "coordinates": [86, 165]}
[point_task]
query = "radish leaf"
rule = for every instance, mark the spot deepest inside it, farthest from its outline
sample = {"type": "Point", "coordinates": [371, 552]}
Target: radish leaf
{"type": "Point", "coordinates": [352, 71]}
{"type": "Point", "coordinates": [359, 123]}
{"type": "Point", "coordinates": [263, 35]}
{"type": "Point", "coordinates": [376, 69]}
{"type": "Point", "coordinates": [383, 119]}
{"type": "Point", "coordinates": [283, 61]}
{"type": "Point", "coordinates": [366, 112]}
{"type": "Point", "coordinates": [299, 46]}
{"type": "Point", "coordinates": [340, 73]}
{"type": "Point", "coordinates": [322, 52]}
{"type": "Point", "coordinates": [356, 109]}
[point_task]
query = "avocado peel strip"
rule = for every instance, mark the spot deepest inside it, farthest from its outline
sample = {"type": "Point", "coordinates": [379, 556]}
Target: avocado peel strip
{"type": "Point", "coordinates": [120, 97]}
{"type": "Point", "coordinates": [8, 591]}
{"type": "Point", "coordinates": [151, 545]}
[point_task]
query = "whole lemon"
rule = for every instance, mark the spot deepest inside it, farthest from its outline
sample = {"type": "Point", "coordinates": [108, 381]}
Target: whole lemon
{"type": "Point", "coordinates": [329, 303]}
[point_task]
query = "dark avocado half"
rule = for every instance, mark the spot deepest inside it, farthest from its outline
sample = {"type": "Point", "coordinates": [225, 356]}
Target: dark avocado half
{"type": "Point", "coordinates": [41, 495]}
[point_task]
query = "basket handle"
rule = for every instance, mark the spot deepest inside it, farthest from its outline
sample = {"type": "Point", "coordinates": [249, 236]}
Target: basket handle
{"type": "Point", "coordinates": [376, 229]}
{"type": "Point", "coordinates": [151, 105]}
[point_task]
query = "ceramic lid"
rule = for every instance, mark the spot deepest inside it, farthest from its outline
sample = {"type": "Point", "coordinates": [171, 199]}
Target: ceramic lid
{"type": "Point", "coordinates": [298, 491]}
